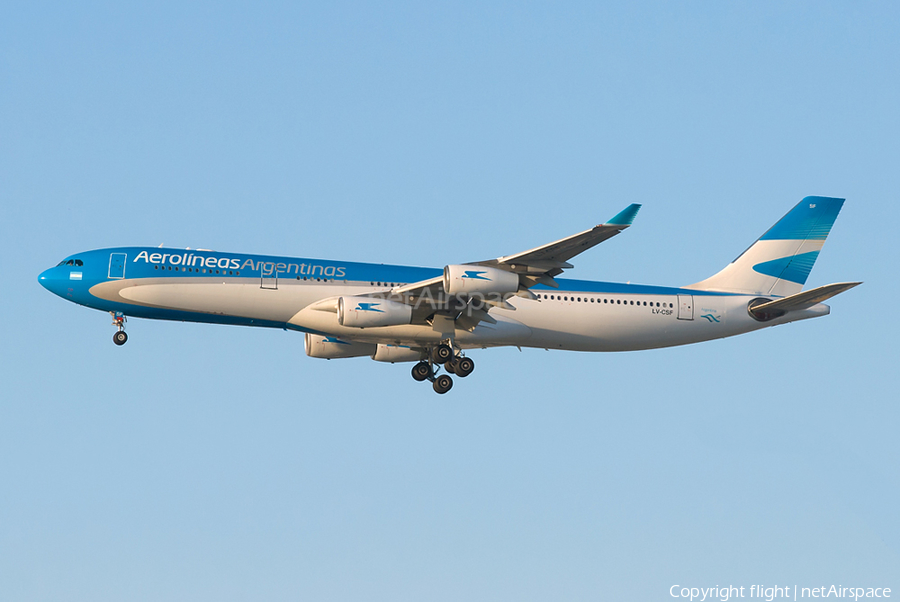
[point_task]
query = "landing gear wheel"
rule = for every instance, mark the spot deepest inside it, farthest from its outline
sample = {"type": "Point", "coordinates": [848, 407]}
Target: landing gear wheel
{"type": "Point", "coordinates": [442, 354]}
{"type": "Point", "coordinates": [442, 384]}
{"type": "Point", "coordinates": [120, 337]}
{"type": "Point", "coordinates": [451, 365]}
{"type": "Point", "coordinates": [464, 367]}
{"type": "Point", "coordinates": [421, 371]}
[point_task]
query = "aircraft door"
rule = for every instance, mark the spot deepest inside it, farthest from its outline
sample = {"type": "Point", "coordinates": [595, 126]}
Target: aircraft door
{"type": "Point", "coordinates": [685, 307]}
{"type": "Point", "coordinates": [117, 265]}
{"type": "Point", "coordinates": [268, 276]}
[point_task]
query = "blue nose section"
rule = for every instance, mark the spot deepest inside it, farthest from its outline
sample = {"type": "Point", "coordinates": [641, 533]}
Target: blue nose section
{"type": "Point", "coordinates": [55, 280]}
{"type": "Point", "coordinates": [45, 279]}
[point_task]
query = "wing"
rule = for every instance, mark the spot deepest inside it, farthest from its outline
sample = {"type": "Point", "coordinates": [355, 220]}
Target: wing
{"type": "Point", "coordinates": [541, 264]}
{"type": "Point", "coordinates": [538, 265]}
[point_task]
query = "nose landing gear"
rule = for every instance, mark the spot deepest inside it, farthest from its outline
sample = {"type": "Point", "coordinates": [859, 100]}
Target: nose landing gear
{"type": "Point", "coordinates": [119, 322]}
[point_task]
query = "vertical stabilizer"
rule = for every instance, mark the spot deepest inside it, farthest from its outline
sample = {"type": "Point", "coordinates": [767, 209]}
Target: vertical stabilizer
{"type": "Point", "coordinates": [779, 263]}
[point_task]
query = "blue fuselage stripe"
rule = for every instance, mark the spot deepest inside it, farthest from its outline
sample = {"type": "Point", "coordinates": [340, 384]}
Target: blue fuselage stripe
{"type": "Point", "coordinates": [143, 262]}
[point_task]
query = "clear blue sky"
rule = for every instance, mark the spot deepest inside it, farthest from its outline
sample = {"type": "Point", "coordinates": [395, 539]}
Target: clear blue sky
{"type": "Point", "coordinates": [218, 463]}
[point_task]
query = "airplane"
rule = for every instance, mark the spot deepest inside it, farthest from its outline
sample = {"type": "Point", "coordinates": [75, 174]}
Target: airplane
{"type": "Point", "coordinates": [432, 316]}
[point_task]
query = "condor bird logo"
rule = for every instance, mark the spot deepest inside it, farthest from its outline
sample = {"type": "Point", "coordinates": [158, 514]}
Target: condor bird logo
{"type": "Point", "coordinates": [475, 275]}
{"type": "Point", "coordinates": [368, 307]}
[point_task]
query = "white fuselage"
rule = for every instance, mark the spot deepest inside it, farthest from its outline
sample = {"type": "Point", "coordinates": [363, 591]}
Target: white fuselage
{"type": "Point", "coordinates": [558, 319]}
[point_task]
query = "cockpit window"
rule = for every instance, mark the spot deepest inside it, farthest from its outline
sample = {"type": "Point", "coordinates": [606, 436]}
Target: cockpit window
{"type": "Point", "coordinates": [78, 262]}
{"type": "Point", "coordinates": [70, 262]}
{"type": "Point", "coordinates": [74, 262]}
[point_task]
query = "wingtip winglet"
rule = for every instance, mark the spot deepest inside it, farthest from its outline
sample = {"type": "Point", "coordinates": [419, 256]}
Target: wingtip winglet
{"type": "Point", "coordinates": [626, 216]}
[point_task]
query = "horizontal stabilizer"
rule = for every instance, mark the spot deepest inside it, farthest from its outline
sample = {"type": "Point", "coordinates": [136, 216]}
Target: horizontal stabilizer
{"type": "Point", "coordinates": [806, 299]}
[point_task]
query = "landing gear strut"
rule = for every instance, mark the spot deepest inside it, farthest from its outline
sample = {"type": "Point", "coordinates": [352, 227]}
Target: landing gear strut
{"type": "Point", "coordinates": [119, 322]}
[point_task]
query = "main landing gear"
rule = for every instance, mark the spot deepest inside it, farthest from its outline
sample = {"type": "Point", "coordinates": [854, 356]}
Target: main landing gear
{"type": "Point", "coordinates": [452, 361]}
{"type": "Point", "coordinates": [119, 322]}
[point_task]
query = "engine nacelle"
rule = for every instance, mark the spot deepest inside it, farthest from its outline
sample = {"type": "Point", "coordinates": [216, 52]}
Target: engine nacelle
{"type": "Point", "coordinates": [332, 347]}
{"type": "Point", "coordinates": [397, 353]}
{"type": "Point", "coordinates": [367, 312]}
{"type": "Point", "coordinates": [469, 279]}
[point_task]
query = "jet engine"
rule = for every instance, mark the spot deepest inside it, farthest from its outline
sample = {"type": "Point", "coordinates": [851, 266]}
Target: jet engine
{"type": "Point", "coordinates": [332, 347]}
{"type": "Point", "coordinates": [367, 312]}
{"type": "Point", "coordinates": [397, 353]}
{"type": "Point", "coordinates": [469, 279]}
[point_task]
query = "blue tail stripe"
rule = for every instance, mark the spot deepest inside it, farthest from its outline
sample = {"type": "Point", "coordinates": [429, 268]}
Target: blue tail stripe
{"type": "Point", "coordinates": [810, 219]}
{"type": "Point", "coordinates": [795, 269]}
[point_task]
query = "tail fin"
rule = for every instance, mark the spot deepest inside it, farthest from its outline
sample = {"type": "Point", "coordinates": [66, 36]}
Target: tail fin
{"type": "Point", "coordinates": [779, 263]}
